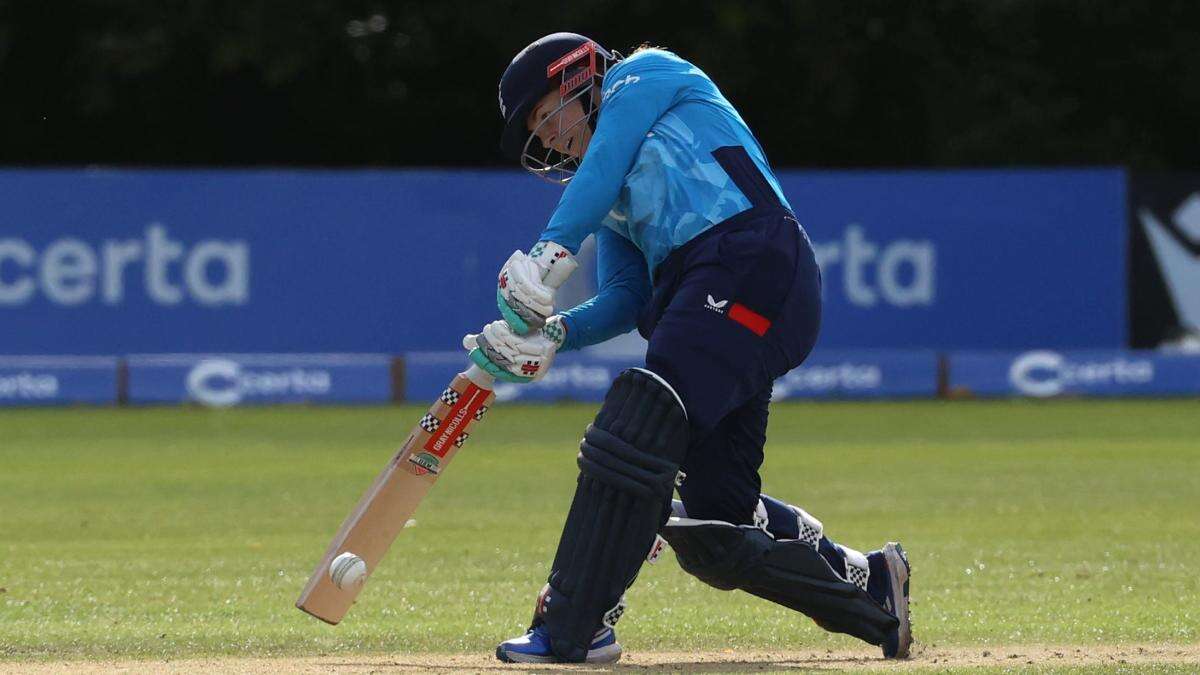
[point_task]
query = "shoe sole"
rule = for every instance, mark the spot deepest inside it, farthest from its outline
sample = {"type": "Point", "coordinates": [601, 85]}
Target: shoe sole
{"type": "Point", "coordinates": [899, 571]}
{"type": "Point", "coordinates": [518, 657]}
{"type": "Point", "coordinates": [607, 654]}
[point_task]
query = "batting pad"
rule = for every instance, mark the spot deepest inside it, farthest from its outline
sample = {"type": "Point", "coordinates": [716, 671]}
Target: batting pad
{"type": "Point", "coordinates": [791, 573]}
{"type": "Point", "coordinates": [627, 466]}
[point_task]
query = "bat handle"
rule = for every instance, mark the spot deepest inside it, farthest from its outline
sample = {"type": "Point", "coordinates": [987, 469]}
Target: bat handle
{"type": "Point", "coordinates": [480, 377]}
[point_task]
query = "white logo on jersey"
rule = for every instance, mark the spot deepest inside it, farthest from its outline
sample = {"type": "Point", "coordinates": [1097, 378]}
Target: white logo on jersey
{"type": "Point", "coordinates": [718, 307]}
{"type": "Point", "coordinates": [628, 79]}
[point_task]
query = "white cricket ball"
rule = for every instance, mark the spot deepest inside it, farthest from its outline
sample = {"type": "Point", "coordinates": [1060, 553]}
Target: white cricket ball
{"type": "Point", "coordinates": [347, 570]}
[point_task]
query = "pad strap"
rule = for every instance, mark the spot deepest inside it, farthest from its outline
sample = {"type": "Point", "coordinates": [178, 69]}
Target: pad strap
{"type": "Point", "coordinates": [857, 570]}
{"type": "Point", "coordinates": [811, 529]}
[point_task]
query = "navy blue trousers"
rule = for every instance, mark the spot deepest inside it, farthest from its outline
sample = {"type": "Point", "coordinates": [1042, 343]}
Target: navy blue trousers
{"type": "Point", "coordinates": [731, 311]}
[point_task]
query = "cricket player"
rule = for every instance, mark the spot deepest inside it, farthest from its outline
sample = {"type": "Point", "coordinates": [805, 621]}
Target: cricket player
{"type": "Point", "coordinates": [699, 249]}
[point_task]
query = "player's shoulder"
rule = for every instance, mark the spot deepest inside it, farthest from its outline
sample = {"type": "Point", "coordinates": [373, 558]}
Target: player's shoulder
{"type": "Point", "coordinates": [650, 66]}
{"type": "Point", "coordinates": [650, 59]}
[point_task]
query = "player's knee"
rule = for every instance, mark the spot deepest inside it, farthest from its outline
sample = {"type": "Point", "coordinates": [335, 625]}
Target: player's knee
{"type": "Point", "coordinates": [677, 365]}
{"type": "Point", "coordinates": [717, 554]}
{"type": "Point", "coordinates": [714, 502]}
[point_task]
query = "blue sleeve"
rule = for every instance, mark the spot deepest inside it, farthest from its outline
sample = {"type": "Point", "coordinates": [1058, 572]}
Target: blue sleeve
{"type": "Point", "coordinates": [624, 284]}
{"type": "Point", "coordinates": [637, 92]}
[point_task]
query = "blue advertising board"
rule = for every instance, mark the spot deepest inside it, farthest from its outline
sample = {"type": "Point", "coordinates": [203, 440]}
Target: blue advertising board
{"type": "Point", "coordinates": [118, 261]}
{"type": "Point", "coordinates": [581, 376]}
{"type": "Point", "coordinates": [223, 380]}
{"type": "Point", "coordinates": [861, 374]}
{"type": "Point", "coordinates": [1047, 373]}
{"type": "Point", "coordinates": [574, 376]}
{"type": "Point", "coordinates": [112, 261]}
{"type": "Point", "coordinates": [57, 380]}
{"type": "Point", "coordinates": [967, 259]}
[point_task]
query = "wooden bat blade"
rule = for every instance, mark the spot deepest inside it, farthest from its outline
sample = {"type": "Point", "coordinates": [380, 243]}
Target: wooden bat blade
{"type": "Point", "coordinates": [391, 500]}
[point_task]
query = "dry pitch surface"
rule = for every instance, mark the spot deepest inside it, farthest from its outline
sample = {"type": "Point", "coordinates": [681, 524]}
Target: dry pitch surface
{"type": "Point", "coordinates": [1016, 658]}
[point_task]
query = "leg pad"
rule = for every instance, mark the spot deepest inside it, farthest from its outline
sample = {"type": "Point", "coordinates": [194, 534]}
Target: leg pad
{"type": "Point", "coordinates": [790, 573]}
{"type": "Point", "coordinates": [627, 466]}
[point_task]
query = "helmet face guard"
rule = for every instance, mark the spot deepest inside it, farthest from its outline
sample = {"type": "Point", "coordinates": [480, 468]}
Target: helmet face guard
{"type": "Point", "coordinates": [578, 74]}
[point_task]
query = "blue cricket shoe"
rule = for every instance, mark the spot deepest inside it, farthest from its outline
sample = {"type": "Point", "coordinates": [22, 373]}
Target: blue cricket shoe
{"type": "Point", "coordinates": [534, 647]}
{"type": "Point", "coordinates": [895, 600]}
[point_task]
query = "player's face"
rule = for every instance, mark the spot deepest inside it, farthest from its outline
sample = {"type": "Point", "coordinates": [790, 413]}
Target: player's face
{"type": "Point", "coordinates": [565, 131]}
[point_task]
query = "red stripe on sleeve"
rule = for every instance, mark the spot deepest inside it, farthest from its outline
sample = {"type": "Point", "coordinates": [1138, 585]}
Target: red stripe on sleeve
{"type": "Point", "coordinates": [749, 318]}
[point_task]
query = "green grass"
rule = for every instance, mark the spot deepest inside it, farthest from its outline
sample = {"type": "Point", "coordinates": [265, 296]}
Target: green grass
{"type": "Point", "coordinates": [185, 532]}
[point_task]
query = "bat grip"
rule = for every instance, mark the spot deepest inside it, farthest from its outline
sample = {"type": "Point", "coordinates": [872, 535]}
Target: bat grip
{"type": "Point", "coordinates": [480, 377]}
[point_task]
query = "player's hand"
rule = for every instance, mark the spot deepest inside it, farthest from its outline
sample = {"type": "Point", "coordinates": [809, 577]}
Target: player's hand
{"type": "Point", "coordinates": [510, 357]}
{"type": "Point", "coordinates": [527, 283]}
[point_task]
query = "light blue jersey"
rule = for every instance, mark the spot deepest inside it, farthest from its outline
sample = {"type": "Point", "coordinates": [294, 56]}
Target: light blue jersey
{"type": "Point", "coordinates": [648, 183]}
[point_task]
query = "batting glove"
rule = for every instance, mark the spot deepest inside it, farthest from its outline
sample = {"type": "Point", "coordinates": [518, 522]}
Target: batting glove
{"type": "Point", "coordinates": [510, 357]}
{"type": "Point", "coordinates": [527, 284]}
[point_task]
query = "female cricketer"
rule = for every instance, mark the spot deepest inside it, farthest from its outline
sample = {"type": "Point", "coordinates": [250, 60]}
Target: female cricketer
{"type": "Point", "coordinates": [699, 249]}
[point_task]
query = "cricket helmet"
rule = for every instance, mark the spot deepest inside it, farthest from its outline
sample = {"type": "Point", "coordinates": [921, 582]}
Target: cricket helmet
{"type": "Point", "coordinates": [567, 62]}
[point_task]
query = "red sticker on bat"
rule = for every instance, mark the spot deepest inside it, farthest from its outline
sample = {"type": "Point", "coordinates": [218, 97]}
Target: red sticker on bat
{"type": "Point", "coordinates": [461, 414]}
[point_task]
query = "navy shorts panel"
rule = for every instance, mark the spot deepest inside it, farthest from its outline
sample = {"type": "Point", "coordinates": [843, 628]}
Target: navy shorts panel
{"type": "Point", "coordinates": [696, 341]}
{"type": "Point", "coordinates": [722, 480]}
{"type": "Point", "coordinates": [722, 370]}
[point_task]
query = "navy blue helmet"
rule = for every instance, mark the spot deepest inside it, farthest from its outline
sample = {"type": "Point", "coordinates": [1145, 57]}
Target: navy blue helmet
{"type": "Point", "coordinates": [568, 62]}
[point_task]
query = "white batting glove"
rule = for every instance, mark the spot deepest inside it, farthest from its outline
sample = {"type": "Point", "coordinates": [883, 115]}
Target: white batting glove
{"type": "Point", "coordinates": [527, 284]}
{"type": "Point", "coordinates": [555, 330]}
{"type": "Point", "coordinates": [510, 357]}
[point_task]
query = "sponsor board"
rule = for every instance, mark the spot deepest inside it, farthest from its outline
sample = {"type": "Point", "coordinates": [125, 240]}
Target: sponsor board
{"type": "Point", "coordinates": [194, 261]}
{"type": "Point", "coordinates": [1049, 373]}
{"type": "Point", "coordinates": [983, 259]}
{"type": "Point", "coordinates": [577, 376]}
{"type": "Point", "coordinates": [225, 380]}
{"type": "Point", "coordinates": [1164, 261]}
{"type": "Point", "coordinates": [574, 376]}
{"type": "Point", "coordinates": [253, 261]}
{"type": "Point", "coordinates": [57, 380]}
{"type": "Point", "coordinates": [861, 374]}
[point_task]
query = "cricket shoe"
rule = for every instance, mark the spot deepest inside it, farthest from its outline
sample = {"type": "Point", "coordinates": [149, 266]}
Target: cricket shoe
{"type": "Point", "coordinates": [534, 647]}
{"type": "Point", "coordinates": [894, 592]}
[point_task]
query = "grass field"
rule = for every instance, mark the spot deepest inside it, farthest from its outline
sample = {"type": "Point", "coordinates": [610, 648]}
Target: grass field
{"type": "Point", "coordinates": [176, 533]}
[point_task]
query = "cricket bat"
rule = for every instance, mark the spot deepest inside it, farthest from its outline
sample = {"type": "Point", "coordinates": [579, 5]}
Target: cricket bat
{"type": "Point", "coordinates": [384, 510]}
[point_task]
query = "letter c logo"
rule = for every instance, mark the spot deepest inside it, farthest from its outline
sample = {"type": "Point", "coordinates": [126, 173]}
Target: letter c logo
{"type": "Point", "coordinates": [1037, 373]}
{"type": "Point", "coordinates": [215, 382]}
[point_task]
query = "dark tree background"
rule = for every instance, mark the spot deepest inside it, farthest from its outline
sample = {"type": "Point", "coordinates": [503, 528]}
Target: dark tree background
{"type": "Point", "coordinates": [822, 83]}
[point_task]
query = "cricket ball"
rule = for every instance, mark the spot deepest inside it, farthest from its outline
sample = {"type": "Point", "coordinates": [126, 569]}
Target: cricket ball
{"type": "Point", "coordinates": [347, 570]}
